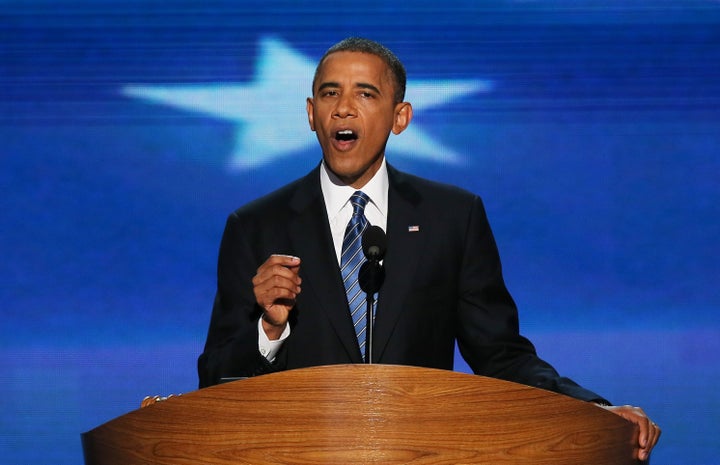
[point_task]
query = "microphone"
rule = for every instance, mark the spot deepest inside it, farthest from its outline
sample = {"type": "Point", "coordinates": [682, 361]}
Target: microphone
{"type": "Point", "coordinates": [371, 277]}
{"type": "Point", "coordinates": [374, 243]}
{"type": "Point", "coordinates": [372, 273]}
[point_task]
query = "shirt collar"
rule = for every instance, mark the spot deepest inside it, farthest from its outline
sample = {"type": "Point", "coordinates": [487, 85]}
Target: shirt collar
{"type": "Point", "coordinates": [337, 194]}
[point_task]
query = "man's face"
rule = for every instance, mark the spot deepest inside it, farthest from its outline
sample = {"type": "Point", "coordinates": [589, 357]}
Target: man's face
{"type": "Point", "coordinates": [353, 111]}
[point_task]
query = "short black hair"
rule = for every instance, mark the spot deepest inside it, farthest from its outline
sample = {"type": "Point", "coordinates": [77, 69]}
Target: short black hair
{"type": "Point", "coordinates": [361, 45]}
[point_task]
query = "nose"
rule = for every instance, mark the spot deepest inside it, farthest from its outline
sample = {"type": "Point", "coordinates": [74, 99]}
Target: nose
{"type": "Point", "coordinates": [344, 107]}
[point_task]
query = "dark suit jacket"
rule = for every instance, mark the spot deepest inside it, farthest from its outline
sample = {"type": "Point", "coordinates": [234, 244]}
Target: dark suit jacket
{"type": "Point", "coordinates": [443, 283]}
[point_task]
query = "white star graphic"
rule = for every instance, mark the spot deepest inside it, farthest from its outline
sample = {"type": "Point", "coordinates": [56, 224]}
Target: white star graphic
{"type": "Point", "coordinates": [269, 112]}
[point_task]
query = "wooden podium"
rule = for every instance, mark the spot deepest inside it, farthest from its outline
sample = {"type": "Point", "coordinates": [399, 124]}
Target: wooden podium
{"type": "Point", "coordinates": [361, 414]}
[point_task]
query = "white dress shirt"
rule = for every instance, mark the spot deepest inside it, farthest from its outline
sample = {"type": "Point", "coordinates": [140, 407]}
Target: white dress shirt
{"type": "Point", "coordinates": [339, 211]}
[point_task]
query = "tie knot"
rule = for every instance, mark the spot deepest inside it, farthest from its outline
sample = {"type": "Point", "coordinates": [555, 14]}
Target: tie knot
{"type": "Point", "coordinates": [358, 200]}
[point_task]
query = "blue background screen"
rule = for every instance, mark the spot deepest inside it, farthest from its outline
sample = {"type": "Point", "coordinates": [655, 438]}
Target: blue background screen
{"type": "Point", "coordinates": [129, 130]}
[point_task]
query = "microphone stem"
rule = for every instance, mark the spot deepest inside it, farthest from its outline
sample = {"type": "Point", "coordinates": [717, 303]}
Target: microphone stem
{"type": "Point", "coordinates": [369, 328]}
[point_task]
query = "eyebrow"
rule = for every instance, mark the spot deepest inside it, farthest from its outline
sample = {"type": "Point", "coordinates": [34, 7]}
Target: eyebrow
{"type": "Point", "coordinates": [360, 85]}
{"type": "Point", "coordinates": [363, 85]}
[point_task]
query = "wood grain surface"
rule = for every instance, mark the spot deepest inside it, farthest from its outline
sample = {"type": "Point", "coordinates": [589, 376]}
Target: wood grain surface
{"type": "Point", "coordinates": [358, 414]}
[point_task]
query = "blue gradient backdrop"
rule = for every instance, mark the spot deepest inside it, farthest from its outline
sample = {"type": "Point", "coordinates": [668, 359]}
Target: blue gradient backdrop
{"type": "Point", "coordinates": [596, 149]}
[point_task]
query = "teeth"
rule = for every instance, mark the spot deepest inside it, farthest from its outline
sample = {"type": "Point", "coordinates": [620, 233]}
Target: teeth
{"type": "Point", "coordinates": [345, 135]}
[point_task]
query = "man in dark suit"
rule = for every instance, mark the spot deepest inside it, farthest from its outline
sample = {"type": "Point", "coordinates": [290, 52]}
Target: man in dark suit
{"type": "Point", "coordinates": [283, 289]}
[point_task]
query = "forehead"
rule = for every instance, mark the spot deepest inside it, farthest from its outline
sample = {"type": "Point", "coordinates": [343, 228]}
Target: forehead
{"type": "Point", "coordinates": [354, 67]}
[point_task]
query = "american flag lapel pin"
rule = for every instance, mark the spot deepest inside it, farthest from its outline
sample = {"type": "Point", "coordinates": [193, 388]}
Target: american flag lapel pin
{"type": "Point", "coordinates": [414, 228]}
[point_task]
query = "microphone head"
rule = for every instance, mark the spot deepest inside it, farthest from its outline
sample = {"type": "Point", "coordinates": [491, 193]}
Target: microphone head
{"type": "Point", "coordinates": [374, 243]}
{"type": "Point", "coordinates": [371, 276]}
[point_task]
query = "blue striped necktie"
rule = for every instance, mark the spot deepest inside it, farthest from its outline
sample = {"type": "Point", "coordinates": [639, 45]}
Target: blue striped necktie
{"type": "Point", "coordinates": [351, 258]}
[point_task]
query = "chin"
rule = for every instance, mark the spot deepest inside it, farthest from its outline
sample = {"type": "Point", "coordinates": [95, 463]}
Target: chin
{"type": "Point", "coordinates": [342, 165]}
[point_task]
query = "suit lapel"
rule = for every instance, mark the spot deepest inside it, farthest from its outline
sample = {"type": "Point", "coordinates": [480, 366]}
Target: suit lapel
{"type": "Point", "coordinates": [405, 241]}
{"type": "Point", "coordinates": [322, 282]}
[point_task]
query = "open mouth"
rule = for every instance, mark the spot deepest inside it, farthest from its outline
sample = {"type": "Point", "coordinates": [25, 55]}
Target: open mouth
{"type": "Point", "coordinates": [346, 135]}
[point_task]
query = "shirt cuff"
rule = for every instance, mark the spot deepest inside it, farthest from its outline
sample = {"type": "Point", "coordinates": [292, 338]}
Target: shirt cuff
{"type": "Point", "coordinates": [268, 348]}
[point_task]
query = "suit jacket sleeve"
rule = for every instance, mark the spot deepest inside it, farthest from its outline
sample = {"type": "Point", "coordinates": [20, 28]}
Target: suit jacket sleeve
{"type": "Point", "coordinates": [231, 349]}
{"type": "Point", "coordinates": [488, 329]}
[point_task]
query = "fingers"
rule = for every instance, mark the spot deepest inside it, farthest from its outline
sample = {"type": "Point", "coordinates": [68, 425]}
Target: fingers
{"type": "Point", "coordinates": [653, 435]}
{"type": "Point", "coordinates": [648, 431]}
{"type": "Point", "coordinates": [277, 282]}
{"type": "Point", "coordinates": [284, 260]}
{"type": "Point", "coordinates": [287, 265]}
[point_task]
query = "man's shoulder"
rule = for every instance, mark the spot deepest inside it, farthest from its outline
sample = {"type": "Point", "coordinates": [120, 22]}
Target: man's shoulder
{"type": "Point", "coordinates": [283, 197]}
{"type": "Point", "coordinates": [414, 185]}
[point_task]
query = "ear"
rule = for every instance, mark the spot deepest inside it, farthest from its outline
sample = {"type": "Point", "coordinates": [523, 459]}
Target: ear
{"type": "Point", "coordinates": [403, 115]}
{"type": "Point", "coordinates": [309, 107]}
